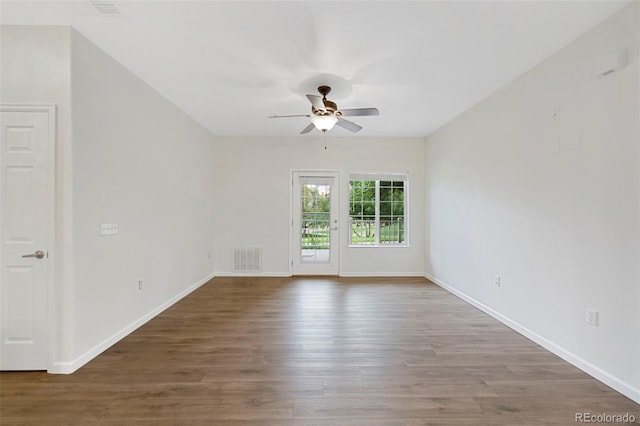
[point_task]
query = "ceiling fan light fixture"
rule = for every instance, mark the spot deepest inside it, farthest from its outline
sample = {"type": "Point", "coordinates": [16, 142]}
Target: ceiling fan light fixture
{"type": "Point", "coordinates": [325, 114]}
{"type": "Point", "coordinates": [324, 122]}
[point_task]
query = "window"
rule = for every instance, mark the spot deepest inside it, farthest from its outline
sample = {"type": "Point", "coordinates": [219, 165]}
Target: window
{"type": "Point", "coordinates": [377, 209]}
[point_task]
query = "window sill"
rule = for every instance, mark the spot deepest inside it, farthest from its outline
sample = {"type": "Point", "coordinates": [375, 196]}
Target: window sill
{"type": "Point", "coordinates": [379, 246]}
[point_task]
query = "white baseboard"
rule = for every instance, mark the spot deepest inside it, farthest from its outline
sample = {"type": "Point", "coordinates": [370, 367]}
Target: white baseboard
{"type": "Point", "coordinates": [589, 368]}
{"type": "Point", "coordinates": [381, 274]}
{"type": "Point", "coordinates": [340, 274]}
{"type": "Point", "coordinates": [247, 274]}
{"type": "Point", "coordinates": [72, 366]}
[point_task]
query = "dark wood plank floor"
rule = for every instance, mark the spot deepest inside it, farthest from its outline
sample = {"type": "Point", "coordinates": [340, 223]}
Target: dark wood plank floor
{"type": "Point", "coordinates": [315, 351]}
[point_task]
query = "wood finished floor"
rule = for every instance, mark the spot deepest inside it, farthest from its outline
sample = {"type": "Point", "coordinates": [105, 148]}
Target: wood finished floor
{"type": "Point", "coordinates": [315, 351]}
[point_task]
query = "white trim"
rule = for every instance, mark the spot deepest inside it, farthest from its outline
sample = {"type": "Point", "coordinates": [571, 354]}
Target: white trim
{"type": "Point", "coordinates": [247, 274]}
{"type": "Point", "coordinates": [341, 274]}
{"type": "Point", "coordinates": [382, 274]}
{"type": "Point", "coordinates": [51, 111]}
{"type": "Point", "coordinates": [71, 366]}
{"type": "Point", "coordinates": [395, 176]}
{"type": "Point", "coordinates": [364, 246]}
{"type": "Point", "coordinates": [605, 377]}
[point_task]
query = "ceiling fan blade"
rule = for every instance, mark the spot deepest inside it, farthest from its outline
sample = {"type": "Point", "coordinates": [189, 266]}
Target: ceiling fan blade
{"type": "Point", "coordinates": [359, 111]}
{"type": "Point", "coordinates": [316, 101]}
{"type": "Point", "coordinates": [307, 129]}
{"type": "Point", "coordinates": [287, 116]}
{"type": "Point", "coordinates": [346, 124]}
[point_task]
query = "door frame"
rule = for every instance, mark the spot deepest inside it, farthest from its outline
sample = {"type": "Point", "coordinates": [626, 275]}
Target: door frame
{"type": "Point", "coordinates": [51, 111]}
{"type": "Point", "coordinates": [292, 197]}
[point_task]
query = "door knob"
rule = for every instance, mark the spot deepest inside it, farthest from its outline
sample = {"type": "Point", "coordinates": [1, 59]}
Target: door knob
{"type": "Point", "coordinates": [39, 254]}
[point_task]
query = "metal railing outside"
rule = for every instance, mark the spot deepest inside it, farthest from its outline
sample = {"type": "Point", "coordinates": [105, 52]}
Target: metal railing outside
{"type": "Point", "coordinates": [315, 230]}
{"type": "Point", "coordinates": [363, 232]}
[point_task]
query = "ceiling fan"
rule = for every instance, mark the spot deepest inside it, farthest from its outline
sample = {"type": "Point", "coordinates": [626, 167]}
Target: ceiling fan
{"type": "Point", "coordinates": [325, 113]}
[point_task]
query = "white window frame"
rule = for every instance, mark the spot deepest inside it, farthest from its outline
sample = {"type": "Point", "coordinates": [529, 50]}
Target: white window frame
{"type": "Point", "coordinates": [377, 177]}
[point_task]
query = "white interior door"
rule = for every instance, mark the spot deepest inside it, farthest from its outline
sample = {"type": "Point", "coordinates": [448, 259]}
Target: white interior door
{"type": "Point", "coordinates": [25, 225]}
{"type": "Point", "coordinates": [315, 223]}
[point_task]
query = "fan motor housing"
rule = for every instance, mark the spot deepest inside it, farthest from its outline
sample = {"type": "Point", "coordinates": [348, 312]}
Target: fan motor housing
{"type": "Point", "coordinates": [331, 108]}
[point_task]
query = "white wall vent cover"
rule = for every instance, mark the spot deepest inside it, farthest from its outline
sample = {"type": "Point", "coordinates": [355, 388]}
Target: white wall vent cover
{"type": "Point", "coordinates": [247, 260]}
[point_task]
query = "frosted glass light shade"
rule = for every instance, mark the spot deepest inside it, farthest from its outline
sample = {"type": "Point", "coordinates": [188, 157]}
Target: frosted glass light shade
{"type": "Point", "coordinates": [324, 122]}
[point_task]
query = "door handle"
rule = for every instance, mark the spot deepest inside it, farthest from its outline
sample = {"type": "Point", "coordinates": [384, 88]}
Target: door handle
{"type": "Point", "coordinates": [39, 254]}
{"type": "Point", "coordinates": [335, 228]}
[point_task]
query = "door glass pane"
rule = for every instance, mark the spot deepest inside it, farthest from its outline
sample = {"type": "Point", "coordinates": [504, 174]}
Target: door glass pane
{"type": "Point", "coordinates": [314, 224]}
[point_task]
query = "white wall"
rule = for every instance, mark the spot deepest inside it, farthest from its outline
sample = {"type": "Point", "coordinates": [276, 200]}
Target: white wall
{"type": "Point", "coordinates": [253, 178]}
{"type": "Point", "coordinates": [139, 162]}
{"type": "Point", "coordinates": [124, 155]}
{"type": "Point", "coordinates": [551, 206]}
{"type": "Point", "coordinates": [34, 70]}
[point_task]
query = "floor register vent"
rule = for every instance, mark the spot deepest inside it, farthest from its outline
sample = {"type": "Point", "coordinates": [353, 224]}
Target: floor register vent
{"type": "Point", "coordinates": [247, 259]}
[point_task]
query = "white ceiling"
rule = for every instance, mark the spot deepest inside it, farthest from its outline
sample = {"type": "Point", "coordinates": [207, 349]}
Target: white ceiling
{"type": "Point", "coordinates": [232, 64]}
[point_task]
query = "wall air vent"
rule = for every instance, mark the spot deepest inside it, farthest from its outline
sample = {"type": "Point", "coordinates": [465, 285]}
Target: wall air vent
{"type": "Point", "coordinates": [247, 260]}
{"type": "Point", "coordinates": [105, 7]}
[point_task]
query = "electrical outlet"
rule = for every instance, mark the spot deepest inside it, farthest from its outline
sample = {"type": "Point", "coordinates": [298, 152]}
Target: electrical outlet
{"type": "Point", "coordinates": [592, 317]}
{"type": "Point", "coordinates": [498, 281]}
{"type": "Point", "coordinates": [108, 229]}
{"type": "Point", "coordinates": [140, 285]}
